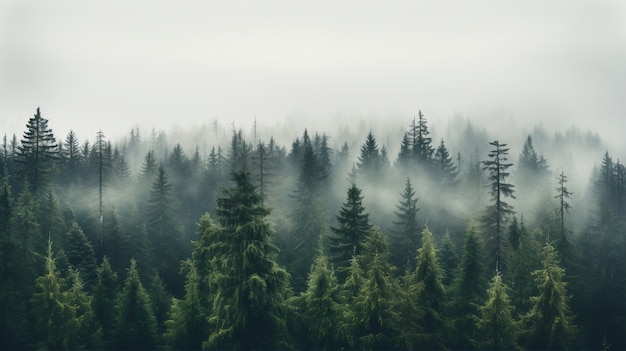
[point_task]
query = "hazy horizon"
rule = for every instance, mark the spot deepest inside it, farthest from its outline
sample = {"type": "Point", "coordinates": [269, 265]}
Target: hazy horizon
{"type": "Point", "coordinates": [116, 65]}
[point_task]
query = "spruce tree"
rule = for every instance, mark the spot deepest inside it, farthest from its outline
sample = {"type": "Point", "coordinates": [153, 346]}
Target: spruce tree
{"type": "Point", "coordinates": [369, 161]}
{"type": "Point", "coordinates": [562, 195]}
{"type": "Point", "coordinates": [374, 322]}
{"type": "Point", "coordinates": [80, 255]}
{"type": "Point", "coordinates": [496, 215]}
{"type": "Point", "coordinates": [448, 257]}
{"type": "Point", "coordinates": [248, 310]}
{"type": "Point", "coordinates": [135, 327]}
{"type": "Point", "coordinates": [445, 171]}
{"type": "Point", "coordinates": [54, 323]}
{"type": "Point", "coordinates": [467, 291]}
{"type": "Point", "coordinates": [549, 324]}
{"type": "Point", "coordinates": [37, 152]}
{"type": "Point", "coordinates": [348, 238]}
{"type": "Point", "coordinates": [89, 330]}
{"type": "Point", "coordinates": [164, 231]}
{"type": "Point", "coordinates": [104, 303]}
{"type": "Point", "coordinates": [406, 235]}
{"type": "Point", "coordinates": [496, 327]}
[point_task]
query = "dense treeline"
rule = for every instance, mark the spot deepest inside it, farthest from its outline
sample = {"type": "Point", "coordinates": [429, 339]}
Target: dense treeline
{"type": "Point", "coordinates": [141, 244]}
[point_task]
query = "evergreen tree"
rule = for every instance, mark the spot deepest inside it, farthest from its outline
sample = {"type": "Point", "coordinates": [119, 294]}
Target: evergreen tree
{"type": "Point", "coordinates": [405, 156]}
{"type": "Point", "coordinates": [80, 254]}
{"type": "Point", "coordinates": [369, 161]}
{"type": "Point", "coordinates": [12, 309]}
{"type": "Point", "coordinates": [27, 227]}
{"type": "Point", "coordinates": [467, 290]}
{"type": "Point", "coordinates": [497, 214]}
{"type": "Point", "coordinates": [135, 327]}
{"type": "Point", "coordinates": [496, 327]}
{"type": "Point", "coordinates": [50, 219]}
{"type": "Point", "coordinates": [549, 324]}
{"type": "Point", "coordinates": [448, 257]}
{"type": "Point", "coordinates": [104, 303]}
{"type": "Point", "coordinates": [164, 232]}
{"type": "Point", "coordinates": [430, 292]}
{"type": "Point", "coordinates": [531, 166]}
{"type": "Point", "coordinates": [89, 330]}
{"type": "Point", "coordinates": [248, 310]}
{"type": "Point", "coordinates": [321, 308]}
{"type": "Point", "coordinates": [445, 171]}
{"type": "Point", "coordinates": [71, 160]}
{"type": "Point", "coordinates": [54, 318]}
{"type": "Point", "coordinates": [564, 207]}
{"type": "Point", "coordinates": [37, 152]}
{"type": "Point", "coordinates": [116, 243]}
{"type": "Point", "coordinates": [372, 318]}
{"type": "Point", "coordinates": [406, 236]}
{"type": "Point", "coordinates": [523, 261]}
{"type": "Point", "coordinates": [422, 142]}
{"type": "Point", "coordinates": [161, 301]}
{"type": "Point", "coordinates": [347, 239]}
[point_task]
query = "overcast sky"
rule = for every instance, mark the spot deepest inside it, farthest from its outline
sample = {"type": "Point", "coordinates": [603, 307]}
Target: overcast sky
{"type": "Point", "coordinates": [112, 65]}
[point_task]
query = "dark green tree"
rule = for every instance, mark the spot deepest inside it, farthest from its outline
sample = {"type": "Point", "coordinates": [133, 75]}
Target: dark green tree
{"type": "Point", "coordinates": [37, 152]}
{"type": "Point", "coordinates": [164, 232]}
{"type": "Point", "coordinates": [347, 239]}
{"type": "Point", "coordinates": [104, 303]}
{"type": "Point", "coordinates": [369, 162]}
{"type": "Point", "coordinates": [421, 142]}
{"type": "Point", "coordinates": [89, 330]}
{"type": "Point", "coordinates": [496, 327]}
{"type": "Point", "coordinates": [54, 324]}
{"type": "Point", "coordinates": [250, 287]}
{"type": "Point", "coordinates": [406, 235]}
{"type": "Point", "coordinates": [405, 155]}
{"type": "Point", "coordinates": [445, 171]}
{"type": "Point", "coordinates": [549, 324]}
{"type": "Point", "coordinates": [467, 291]}
{"type": "Point", "coordinates": [448, 258]}
{"type": "Point", "coordinates": [563, 194]}
{"type": "Point", "coordinates": [80, 255]}
{"type": "Point", "coordinates": [135, 326]}
{"type": "Point", "coordinates": [497, 214]}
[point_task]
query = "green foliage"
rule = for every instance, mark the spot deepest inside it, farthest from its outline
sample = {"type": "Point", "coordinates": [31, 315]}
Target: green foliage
{"type": "Point", "coordinates": [104, 303]}
{"type": "Point", "coordinates": [37, 152]}
{"type": "Point", "coordinates": [348, 238]}
{"type": "Point", "coordinates": [80, 254]}
{"type": "Point", "coordinates": [496, 327]}
{"type": "Point", "coordinates": [549, 324]}
{"type": "Point", "coordinates": [136, 326]}
{"type": "Point", "coordinates": [467, 291]}
{"type": "Point", "coordinates": [406, 235]}
{"type": "Point", "coordinates": [448, 257]}
{"type": "Point", "coordinates": [249, 309]}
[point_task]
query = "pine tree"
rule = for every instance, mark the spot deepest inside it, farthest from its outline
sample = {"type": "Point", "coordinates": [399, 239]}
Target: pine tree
{"type": "Point", "coordinates": [104, 303]}
{"type": "Point", "coordinates": [89, 330]}
{"type": "Point", "coordinates": [135, 327]}
{"type": "Point", "coordinates": [347, 239]}
{"type": "Point", "coordinates": [564, 207]}
{"type": "Point", "coordinates": [495, 217]}
{"type": "Point", "coordinates": [54, 318]}
{"type": "Point", "coordinates": [445, 171]}
{"type": "Point", "coordinates": [71, 160]}
{"type": "Point", "coordinates": [467, 290]}
{"type": "Point", "coordinates": [406, 236]}
{"type": "Point", "coordinates": [405, 155]}
{"type": "Point", "coordinates": [80, 254]}
{"type": "Point", "coordinates": [250, 287]}
{"type": "Point", "coordinates": [321, 308]}
{"type": "Point", "coordinates": [37, 152]}
{"type": "Point", "coordinates": [116, 243]}
{"type": "Point", "coordinates": [369, 161]}
{"type": "Point", "coordinates": [164, 231]}
{"type": "Point", "coordinates": [430, 292]}
{"type": "Point", "coordinates": [50, 219]}
{"type": "Point", "coordinates": [496, 327]}
{"type": "Point", "coordinates": [549, 324]}
{"type": "Point", "coordinates": [374, 321]}
{"type": "Point", "coordinates": [422, 143]}
{"type": "Point", "coordinates": [448, 257]}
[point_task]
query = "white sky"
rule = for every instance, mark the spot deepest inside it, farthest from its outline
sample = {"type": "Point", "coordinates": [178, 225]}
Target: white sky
{"type": "Point", "coordinates": [112, 65]}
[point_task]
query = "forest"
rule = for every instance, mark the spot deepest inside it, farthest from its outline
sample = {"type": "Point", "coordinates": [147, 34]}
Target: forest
{"type": "Point", "coordinates": [222, 238]}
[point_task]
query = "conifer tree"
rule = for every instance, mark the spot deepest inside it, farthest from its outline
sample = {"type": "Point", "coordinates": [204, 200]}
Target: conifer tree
{"type": "Point", "coordinates": [430, 292]}
{"type": "Point", "coordinates": [37, 152]}
{"type": "Point", "coordinates": [136, 327]}
{"type": "Point", "coordinates": [369, 161]}
{"type": "Point", "coordinates": [405, 155]}
{"type": "Point", "coordinates": [115, 241]}
{"type": "Point", "coordinates": [422, 142]}
{"type": "Point", "coordinates": [80, 255]}
{"type": "Point", "coordinates": [104, 303]}
{"type": "Point", "coordinates": [374, 322]}
{"type": "Point", "coordinates": [564, 207]}
{"type": "Point", "coordinates": [497, 329]}
{"type": "Point", "coordinates": [27, 227]}
{"type": "Point", "coordinates": [448, 257]}
{"type": "Point", "coordinates": [406, 235]}
{"type": "Point", "coordinates": [322, 311]}
{"type": "Point", "coordinates": [54, 318]}
{"type": "Point", "coordinates": [523, 261]}
{"type": "Point", "coordinates": [467, 290]}
{"type": "Point", "coordinates": [496, 215]}
{"type": "Point", "coordinates": [50, 219]}
{"type": "Point", "coordinates": [164, 231]}
{"type": "Point", "coordinates": [89, 330]}
{"type": "Point", "coordinates": [445, 171]}
{"type": "Point", "coordinates": [248, 310]}
{"type": "Point", "coordinates": [348, 238]}
{"type": "Point", "coordinates": [549, 324]}
{"type": "Point", "coordinates": [161, 301]}
{"type": "Point", "coordinates": [71, 160]}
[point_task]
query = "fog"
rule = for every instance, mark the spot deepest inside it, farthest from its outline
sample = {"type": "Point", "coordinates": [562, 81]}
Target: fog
{"type": "Point", "coordinates": [116, 65]}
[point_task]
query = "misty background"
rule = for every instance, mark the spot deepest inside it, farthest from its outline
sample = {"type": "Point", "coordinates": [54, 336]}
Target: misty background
{"type": "Point", "coordinates": [116, 65]}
